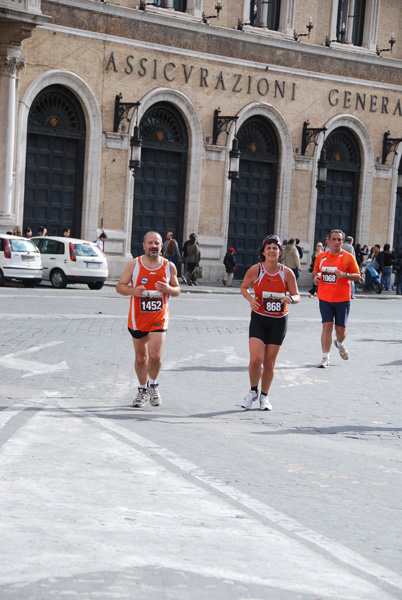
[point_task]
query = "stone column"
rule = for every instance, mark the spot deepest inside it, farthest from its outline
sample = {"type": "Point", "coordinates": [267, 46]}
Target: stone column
{"type": "Point", "coordinates": [15, 26]}
{"type": "Point", "coordinates": [10, 66]}
{"type": "Point", "coordinates": [264, 13]}
{"type": "Point", "coordinates": [350, 22]}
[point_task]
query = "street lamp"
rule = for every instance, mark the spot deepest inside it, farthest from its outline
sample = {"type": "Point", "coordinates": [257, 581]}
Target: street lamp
{"type": "Point", "coordinates": [135, 154]}
{"type": "Point", "coordinates": [234, 160]}
{"type": "Point", "coordinates": [322, 171]}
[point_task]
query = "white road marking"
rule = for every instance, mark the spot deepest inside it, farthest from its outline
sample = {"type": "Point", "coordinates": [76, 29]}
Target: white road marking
{"type": "Point", "coordinates": [10, 412]}
{"type": "Point", "coordinates": [112, 506]}
{"type": "Point", "coordinates": [14, 361]}
{"type": "Point", "coordinates": [338, 551]}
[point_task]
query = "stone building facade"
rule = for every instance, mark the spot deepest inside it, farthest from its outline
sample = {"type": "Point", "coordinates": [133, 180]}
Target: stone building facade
{"type": "Point", "coordinates": [285, 80]}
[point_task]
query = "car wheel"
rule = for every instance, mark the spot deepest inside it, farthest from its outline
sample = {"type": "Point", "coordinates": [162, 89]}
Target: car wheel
{"type": "Point", "coordinates": [2, 278]}
{"type": "Point", "coordinates": [58, 279]}
{"type": "Point", "coordinates": [96, 285]}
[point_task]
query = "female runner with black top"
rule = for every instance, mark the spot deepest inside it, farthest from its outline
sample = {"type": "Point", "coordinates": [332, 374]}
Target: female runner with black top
{"type": "Point", "coordinates": [269, 318]}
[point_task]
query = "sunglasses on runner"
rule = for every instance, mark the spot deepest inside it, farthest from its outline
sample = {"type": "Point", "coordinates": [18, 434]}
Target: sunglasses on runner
{"type": "Point", "coordinates": [271, 239]}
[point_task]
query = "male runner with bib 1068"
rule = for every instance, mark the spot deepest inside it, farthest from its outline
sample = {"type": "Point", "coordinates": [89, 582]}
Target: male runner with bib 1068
{"type": "Point", "coordinates": [333, 271]}
{"type": "Point", "coordinates": [149, 280]}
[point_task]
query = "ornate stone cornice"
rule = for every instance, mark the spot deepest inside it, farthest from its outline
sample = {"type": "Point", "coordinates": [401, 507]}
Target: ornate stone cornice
{"type": "Point", "coordinates": [259, 49]}
{"type": "Point", "coordinates": [11, 65]}
{"type": "Point", "coordinates": [12, 33]}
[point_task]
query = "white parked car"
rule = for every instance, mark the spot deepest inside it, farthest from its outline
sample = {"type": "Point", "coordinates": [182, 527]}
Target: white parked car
{"type": "Point", "coordinates": [19, 259]}
{"type": "Point", "coordinates": [69, 260]}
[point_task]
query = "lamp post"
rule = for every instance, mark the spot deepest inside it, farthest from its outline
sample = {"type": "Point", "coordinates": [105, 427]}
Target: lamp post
{"type": "Point", "coordinates": [399, 183]}
{"type": "Point", "coordinates": [322, 172]}
{"type": "Point", "coordinates": [135, 154]}
{"type": "Point", "coordinates": [234, 161]}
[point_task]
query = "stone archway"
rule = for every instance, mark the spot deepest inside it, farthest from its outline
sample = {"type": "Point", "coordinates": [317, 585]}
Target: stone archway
{"type": "Point", "coordinates": [160, 185]}
{"type": "Point", "coordinates": [253, 200]}
{"type": "Point", "coordinates": [54, 162]}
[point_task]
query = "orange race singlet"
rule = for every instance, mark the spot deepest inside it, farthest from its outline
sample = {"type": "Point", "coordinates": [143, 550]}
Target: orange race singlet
{"type": "Point", "coordinates": [149, 313]}
{"type": "Point", "coordinates": [331, 288]}
{"type": "Point", "coordinates": [275, 284]}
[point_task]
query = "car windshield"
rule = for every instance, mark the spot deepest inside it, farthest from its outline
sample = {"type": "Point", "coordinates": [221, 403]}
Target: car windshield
{"type": "Point", "coordinates": [84, 250]}
{"type": "Point", "coordinates": [22, 246]}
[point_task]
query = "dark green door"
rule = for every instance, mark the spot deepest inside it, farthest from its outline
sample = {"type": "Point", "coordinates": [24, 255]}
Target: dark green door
{"type": "Point", "coordinates": [159, 194]}
{"type": "Point", "coordinates": [397, 243]}
{"type": "Point", "coordinates": [54, 162]}
{"type": "Point", "coordinates": [253, 199]}
{"type": "Point", "coordinates": [337, 204]}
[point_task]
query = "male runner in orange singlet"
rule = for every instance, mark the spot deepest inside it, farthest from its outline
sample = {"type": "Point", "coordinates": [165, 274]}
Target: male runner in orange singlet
{"type": "Point", "coordinates": [333, 271]}
{"type": "Point", "coordinates": [149, 280]}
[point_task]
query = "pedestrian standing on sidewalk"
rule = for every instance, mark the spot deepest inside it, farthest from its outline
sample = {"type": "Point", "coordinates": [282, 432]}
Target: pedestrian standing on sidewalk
{"type": "Point", "coordinates": [386, 259]}
{"type": "Point", "coordinates": [334, 269]}
{"type": "Point", "coordinates": [291, 258]}
{"type": "Point", "coordinates": [398, 275]}
{"type": "Point", "coordinates": [193, 259]}
{"type": "Point", "coordinates": [149, 280]}
{"type": "Point", "coordinates": [318, 249]}
{"type": "Point", "coordinates": [269, 309]}
{"type": "Point", "coordinates": [230, 265]}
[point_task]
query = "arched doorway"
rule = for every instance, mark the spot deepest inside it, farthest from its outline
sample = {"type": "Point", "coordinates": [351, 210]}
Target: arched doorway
{"type": "Point", "coordinates": [337, 204]}
{"type": "Point", "coordinates": [253, 199]}
{"type": "Point", "coordinates": [160, 185]}
{"type": "Point", "coordinates": [397, 241]}
{"type": "Point", "coordinates": [55, 162]}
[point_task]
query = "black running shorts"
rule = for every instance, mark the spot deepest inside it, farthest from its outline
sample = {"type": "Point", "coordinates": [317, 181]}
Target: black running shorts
{"type": "Point", "coordinates": [137, 334]}
{"type": "Point", "coordinates": [270, 330]}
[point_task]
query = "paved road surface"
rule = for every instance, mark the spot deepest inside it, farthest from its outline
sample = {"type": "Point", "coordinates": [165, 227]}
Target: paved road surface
{"type": "Point", "coordinates": [197, 498]}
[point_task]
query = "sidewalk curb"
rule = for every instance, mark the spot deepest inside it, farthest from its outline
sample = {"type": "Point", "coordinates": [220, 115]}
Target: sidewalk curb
{"type": "Point", "coordinates": [217, 288]}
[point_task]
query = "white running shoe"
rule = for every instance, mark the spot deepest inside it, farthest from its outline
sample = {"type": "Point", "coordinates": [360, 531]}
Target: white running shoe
{"type": "Point", "coordinates": [324, 364]}
{"type": "Point", "coordinates": [342, 351]}
{"type": "Point", "coordinates": [265, 403]}
{"type": "Point", "coordinates": [249, 399]}
{"type": "Point", "coordinates": [154, 395]}
{"type": "Point", "coordinates": [142, 397]}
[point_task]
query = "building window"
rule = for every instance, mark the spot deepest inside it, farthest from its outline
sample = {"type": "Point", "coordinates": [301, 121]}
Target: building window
{"type": "Point", "coordinates": [355, 22]}
{"type": "Point", "coordinates": [179, 5]}
{"type": "Point", "coordinates": [265, 13]}
{"type": "Point", "coordinates": [350, 23]}
{"type": "Point", "coordinates": [272, 15]}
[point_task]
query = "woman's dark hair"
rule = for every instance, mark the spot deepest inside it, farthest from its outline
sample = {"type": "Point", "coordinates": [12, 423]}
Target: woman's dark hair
{"type": "Point", "coordinates": [386, 247]}
{"type": "Point", "coordinates": [193, 238]}
{"type": "Point", "coordinates": [269, 240]}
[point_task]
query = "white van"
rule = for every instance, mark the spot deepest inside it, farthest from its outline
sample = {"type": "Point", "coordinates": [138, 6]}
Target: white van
{"type": "Point", "coordinates": [19, 259]}
{"type": "Point", "coordinates": [70, 260]}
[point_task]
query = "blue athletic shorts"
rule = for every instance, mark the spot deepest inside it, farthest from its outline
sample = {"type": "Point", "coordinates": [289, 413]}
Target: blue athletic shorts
{"type": "Point", "coordinates": [338, 311]}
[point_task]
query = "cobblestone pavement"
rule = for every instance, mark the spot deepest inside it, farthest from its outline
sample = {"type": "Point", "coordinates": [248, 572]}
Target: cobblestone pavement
{"type": "Point", "coordinates": [197, 497]}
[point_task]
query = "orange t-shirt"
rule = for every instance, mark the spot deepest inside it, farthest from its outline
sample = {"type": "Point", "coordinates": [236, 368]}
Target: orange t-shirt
{"type": "Point", "coordinates": [149, 313]}
{"type": "Point", "coordinates": [331, 288]}
{"type": "Point", "coordinates": [266, 282]}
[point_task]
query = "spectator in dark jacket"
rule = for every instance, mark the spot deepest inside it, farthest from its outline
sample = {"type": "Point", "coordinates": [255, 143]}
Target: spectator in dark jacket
{"type": "Point", "coordinates": [398, 275]}
{"type": "Point", "coordinates": [230, 265]}
{"type": "Point", "coordinates": [386, 259]}
{"type": "Point", "coordinates": [299, 248]}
